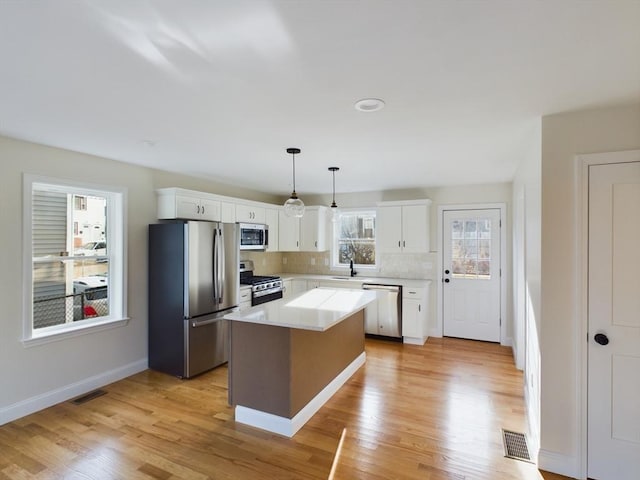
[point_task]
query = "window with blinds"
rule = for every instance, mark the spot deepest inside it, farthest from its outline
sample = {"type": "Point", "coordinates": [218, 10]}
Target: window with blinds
{"type": "Point", "coordinates": [76, 256]}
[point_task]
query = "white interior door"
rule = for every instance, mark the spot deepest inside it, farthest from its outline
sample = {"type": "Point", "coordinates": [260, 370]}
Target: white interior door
{"type": "Point", "coordinates": [614, 322]}
{"type": "Point", "coordinates": [471, 274]}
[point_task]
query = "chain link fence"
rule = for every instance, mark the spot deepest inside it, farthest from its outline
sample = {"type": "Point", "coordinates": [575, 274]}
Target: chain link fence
{"type": "Point", "coordinates": [57, 310]}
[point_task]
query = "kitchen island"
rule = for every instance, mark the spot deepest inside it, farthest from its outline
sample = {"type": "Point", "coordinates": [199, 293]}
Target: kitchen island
{"type": "Point", "coordinates": [289, 356]}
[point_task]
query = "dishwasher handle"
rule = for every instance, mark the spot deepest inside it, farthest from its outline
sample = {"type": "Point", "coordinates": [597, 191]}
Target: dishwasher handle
{"type": "Point", "coordinates": [388, 288]}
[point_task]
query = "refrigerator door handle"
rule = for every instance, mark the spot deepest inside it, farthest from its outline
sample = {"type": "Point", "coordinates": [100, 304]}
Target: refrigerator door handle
{"type": "Point", "coordinates": [214, 267]}
{"type": "Point", "coordinates": [221, 267]}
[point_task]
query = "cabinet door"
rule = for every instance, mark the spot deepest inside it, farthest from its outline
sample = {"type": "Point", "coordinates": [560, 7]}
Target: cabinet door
{"type": "Point", "coordinates": [227, 212]}
{"type": "Point", "coordinates": [389, 229]}
{"type": "Point", "coordinates": [249, 214]}
{"type": "Point", "coordinates": [298, 286]}
{"type": "Point", "coordinates": [287, 288]}
{"type": "Point", "coordinates": [411, 318]}
{"type": "Point", "coordinates": [415, 229]}
{"type": "Point", "coordinates": [271, 219]}
{"type": "Point", "coordinates": [309, 231]}
{"type": "Point", "coordinates": [209, 210]}
{"type": "Point", "coordinates": [187, 207]}
{"type": "Point", "coordinates": [288, 233]}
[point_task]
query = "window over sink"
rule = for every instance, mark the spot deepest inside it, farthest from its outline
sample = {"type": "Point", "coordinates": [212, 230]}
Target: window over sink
{"type": "Point", "coordinates": [354, 239]}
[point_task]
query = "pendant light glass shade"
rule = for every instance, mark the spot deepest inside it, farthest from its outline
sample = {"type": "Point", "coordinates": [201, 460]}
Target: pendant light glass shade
{"type": "Point", "coordinates": [335, 211]}
{"type": "Point", "coordinates": [294, 207]}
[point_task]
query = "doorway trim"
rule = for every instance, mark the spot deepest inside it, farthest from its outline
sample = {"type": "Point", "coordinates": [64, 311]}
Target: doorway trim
{"type": "Point", "coordinates": [438, 331]}
{"type": "Point", "coordinates": [581, 322]}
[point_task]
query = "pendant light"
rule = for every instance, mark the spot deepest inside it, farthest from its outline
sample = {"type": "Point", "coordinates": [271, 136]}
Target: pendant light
{"type": "Point", "coordinates": [335, 213]}
{"type": "Point", "coordinates": [294, 207]}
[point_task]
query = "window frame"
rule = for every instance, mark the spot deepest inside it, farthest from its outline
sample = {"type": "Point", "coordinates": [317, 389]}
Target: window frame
{"type": "Point", "coordinates": [335, 255]}
{"type": "Point", "coordinates": [116, 198]}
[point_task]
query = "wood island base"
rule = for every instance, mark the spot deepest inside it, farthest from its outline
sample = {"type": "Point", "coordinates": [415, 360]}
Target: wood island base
{"type": "Point", "coordinates": [279, 377]}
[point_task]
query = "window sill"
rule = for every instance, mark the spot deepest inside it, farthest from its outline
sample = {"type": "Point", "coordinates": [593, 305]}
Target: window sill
{"type": "Point", "coordinates": [73, 331]}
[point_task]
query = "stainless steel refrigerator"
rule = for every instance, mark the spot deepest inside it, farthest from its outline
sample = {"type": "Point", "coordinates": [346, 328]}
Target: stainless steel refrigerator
{"type": "Point", "coordinates": [193, 283]}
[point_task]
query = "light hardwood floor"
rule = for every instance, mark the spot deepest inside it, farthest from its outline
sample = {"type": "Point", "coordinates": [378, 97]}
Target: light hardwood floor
{"type": "Point", "coordinates": [430, 412]}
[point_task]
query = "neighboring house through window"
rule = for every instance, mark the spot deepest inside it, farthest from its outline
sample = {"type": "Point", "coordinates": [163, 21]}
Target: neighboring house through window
{"type": "Point", "coordinates": [74, 277]}
{"type": "Point", "coordinates": [354, 239]}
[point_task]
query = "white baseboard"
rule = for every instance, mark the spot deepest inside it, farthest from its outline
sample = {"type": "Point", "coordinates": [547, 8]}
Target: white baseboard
{"type": "Point", "coordinates": [414, 340]}
{"type": "Point", "coordinates": [289, 426]}
{"type": "Point", "coordinates": [64, 393]}
{"type": "Point", "coordinates": [507, 342]}
{"type": "Point", "coordinates": [558, 463]}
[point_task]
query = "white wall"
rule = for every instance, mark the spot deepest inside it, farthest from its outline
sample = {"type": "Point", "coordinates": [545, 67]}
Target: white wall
{"type": "Point", "coordinates": [526, 278]}
{"type": "Point", "coordinates": [563, 137]}
{"type": "Point", "coordinates": [38, 376]}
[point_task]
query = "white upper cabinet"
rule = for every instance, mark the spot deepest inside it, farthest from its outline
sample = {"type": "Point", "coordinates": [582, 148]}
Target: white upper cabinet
{"type": "Point", "coordinates": [272, 221]}
{"type": "Point", "coordinates": [288, 233]}
{"type": "Point", "coordinates": [403, 226]}
{"type": "Point", "coordinates": [178, 203]}
{"type": "Point", "coordinates": [313, 229]}
{"type": "Point", "coordinates": [227, 212]}
{"type": "Point", "coordinates": [250, 213]}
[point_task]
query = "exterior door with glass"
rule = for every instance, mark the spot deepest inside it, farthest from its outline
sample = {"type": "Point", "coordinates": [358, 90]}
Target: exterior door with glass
{"type": "Point", "coordinates": [471, 274]}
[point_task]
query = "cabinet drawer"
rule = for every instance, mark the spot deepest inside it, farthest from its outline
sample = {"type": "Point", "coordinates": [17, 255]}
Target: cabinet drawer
{"type": "Point", "coordinates": [416, 293]}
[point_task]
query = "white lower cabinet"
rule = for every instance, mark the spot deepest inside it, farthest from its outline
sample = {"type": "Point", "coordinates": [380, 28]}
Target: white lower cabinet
{"type": "Point", "coordinates": [287, 288]}
{"type": "Point", "coordinates": [298, 286]}
{"type": "Point", "coordinates": [415, 320]}
{"type": "Point", "coordinates": [244, 298]}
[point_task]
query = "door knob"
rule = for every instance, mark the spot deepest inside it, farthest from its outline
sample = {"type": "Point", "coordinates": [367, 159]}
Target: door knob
{"type": "Point", "coordinates": [601, 339]}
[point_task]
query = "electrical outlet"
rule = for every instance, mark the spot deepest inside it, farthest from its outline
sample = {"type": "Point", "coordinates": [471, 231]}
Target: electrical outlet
{"type": "Point", "coordinates": [326, 262]}
{"type": "Point", "coordinates": [264, 262]}
{"type": "Point", "coordinates": [284, 260]}
{"type": "Point", "coordinates": [313, 261]}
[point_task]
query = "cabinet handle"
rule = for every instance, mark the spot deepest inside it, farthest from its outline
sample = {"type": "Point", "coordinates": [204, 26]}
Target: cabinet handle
{"type": "Point", "coordinates": [316, 243]}
{"type": "Point", "coordinates": [203, 209]}
{"type": "Point", "coordinates": [198, 211]}
{"type": "Point", "coordinates": [398, 243]}
{"type": "Point", "coordinates": [419, 309]}
{"type": "Point", "coordinates": [404, 244]}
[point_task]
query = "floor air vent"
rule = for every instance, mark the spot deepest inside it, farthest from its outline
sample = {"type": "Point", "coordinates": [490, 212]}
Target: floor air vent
{"type": "Point", "coordinates": [89, 396]}
{"type": "Point", "coordinates": [515, 446]}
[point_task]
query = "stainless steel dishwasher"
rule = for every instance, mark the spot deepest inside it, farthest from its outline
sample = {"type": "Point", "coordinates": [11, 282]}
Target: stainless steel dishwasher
{"type": "Point", "coordinates": [385, 316]}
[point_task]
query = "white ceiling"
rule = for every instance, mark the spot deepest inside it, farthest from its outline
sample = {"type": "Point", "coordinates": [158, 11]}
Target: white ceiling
{"type": "Point", "coordinates": [221, 88]}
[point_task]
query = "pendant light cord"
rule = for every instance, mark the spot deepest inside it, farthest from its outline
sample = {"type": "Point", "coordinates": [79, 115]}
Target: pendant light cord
{"type": "Point", "coordinates": [294, 172]}
{"type": "Point", "coordinates": [334, 188]}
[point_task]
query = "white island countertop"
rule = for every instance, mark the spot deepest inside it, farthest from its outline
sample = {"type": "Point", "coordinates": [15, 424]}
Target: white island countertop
{"type": "Point", "coordinates": [318, 309]}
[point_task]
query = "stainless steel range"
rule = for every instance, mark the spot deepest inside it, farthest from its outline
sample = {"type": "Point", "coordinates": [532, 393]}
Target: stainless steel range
{"type": "Point", "coordinates": [263, 288]}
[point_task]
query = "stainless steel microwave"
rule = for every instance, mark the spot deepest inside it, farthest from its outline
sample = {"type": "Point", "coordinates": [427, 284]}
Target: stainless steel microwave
{"type": "Point", "coordinates": [253, 236]}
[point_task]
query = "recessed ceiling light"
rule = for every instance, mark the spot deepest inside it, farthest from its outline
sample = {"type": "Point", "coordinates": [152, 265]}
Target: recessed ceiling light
{"type": "Point", "coordinates": [148, 143]}
{"type": "Point", "coordinates": [369, 105]}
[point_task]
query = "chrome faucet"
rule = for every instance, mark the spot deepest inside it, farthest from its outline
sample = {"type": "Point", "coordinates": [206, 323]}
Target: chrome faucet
{"type": "Point", "coordinates": [353, 272]}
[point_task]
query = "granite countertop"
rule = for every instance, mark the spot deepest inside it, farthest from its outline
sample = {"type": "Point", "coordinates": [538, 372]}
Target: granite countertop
{"type": "Point", "coordinates": [318, 309]}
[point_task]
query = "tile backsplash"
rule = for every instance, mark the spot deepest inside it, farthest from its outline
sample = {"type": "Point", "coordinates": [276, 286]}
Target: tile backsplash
{"type": "Point", "coordinates": [400, 265]}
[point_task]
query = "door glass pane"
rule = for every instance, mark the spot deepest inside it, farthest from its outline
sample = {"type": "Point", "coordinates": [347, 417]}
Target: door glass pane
{"type": "Point", "coordinates": [484, 249]}
{"type": "Point", "coordinates": [471, 248]}
{"type": "Point", "coordinates": [456, 229]}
